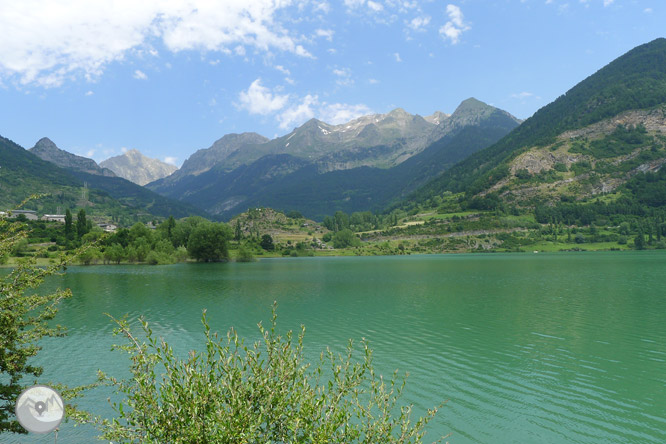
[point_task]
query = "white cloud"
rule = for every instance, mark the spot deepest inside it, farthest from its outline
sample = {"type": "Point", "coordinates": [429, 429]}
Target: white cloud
{"type": "Point", "coordinates": [283, 70]}
{"type": "Point", "coordinates": [140, 75]}
{"type": "Point", "coordinates": [419, 23]}
{"type": "Point", "coordinates": [397, 57]}
{"type": "Point", "coordinates": [608, 2]}
{"type": "Point", "coordinates": [309, 107]}
{"type": "Point", "coordinates": [90, 154]}
{"type": "Point", "coordinates": [373, 81]}
{"type": "Point", "coordinates": [297, 114]}
{"type": "Point", "coordinates": [47, 42]}
{"type": "Point", "coordinates": [290, 110]}
{"type": "Point", "coordinates": [260, 100]}
{"type": "Point", "coordinates": [89, 93]}
{"type": "Point", "coordinates": [337, 113]}
{"type": "Point", "coordinates": [377, 7]}
{"type": "Point", "coordinates": [344, 76]}
{"type": "Point", "coordinates": [323, 7]}
{"type": "Point", "coordinates": [325, 33]}
{"type": "Point", "coordinates": [648, 10]}
{"type": "Point", "coordinates": [373, 6]}
{"type": "Point", "coordinates": [525, 95]}
{"type": "Point", "coordinates": [171, 160]}
{"type": "Point", "coordinates": [522, 95]}
{"type": "Point", "coordinates": [453, 29]}
{"type": "Point", "coordinates": [354, 3]}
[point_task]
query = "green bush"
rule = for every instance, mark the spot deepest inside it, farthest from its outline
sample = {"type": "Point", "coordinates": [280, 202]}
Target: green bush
{"type": "Point", "coordinates": [345, 238]}
{"type": "Point", "coordinates": [560, 167]}
{"type": "Point", "coordinates": [159, 258]}
{"type": "Point", "coordinates": [230, 392]}
{"type": "Point", "coordinates": [245, 255]}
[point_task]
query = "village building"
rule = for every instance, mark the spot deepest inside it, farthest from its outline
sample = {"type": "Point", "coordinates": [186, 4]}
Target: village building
{"type": "Point", "coordinates": [109, 228]}
{"type": "Point", "coordinates": [54, 218]}
{"type": "Point", "coordinates": [29, 214]}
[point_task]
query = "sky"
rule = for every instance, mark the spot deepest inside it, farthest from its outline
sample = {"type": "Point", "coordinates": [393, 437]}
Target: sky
{"type": "Point", "coordinates": [169, 77]}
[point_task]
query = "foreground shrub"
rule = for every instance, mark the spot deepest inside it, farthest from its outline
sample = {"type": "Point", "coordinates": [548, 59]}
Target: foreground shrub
{"type": "Point", "coordinates": [262, 393]}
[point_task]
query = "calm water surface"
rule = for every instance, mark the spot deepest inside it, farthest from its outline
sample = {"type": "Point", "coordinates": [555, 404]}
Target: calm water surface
{"type": "Point", "coordinates": [559, 348]}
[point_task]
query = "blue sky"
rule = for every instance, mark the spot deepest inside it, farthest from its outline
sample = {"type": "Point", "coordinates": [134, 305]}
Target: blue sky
{"type": "Point", "coordinates": [169, 77]}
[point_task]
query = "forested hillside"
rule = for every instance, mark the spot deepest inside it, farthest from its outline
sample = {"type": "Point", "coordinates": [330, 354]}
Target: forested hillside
{"type": "Point", "coordinates": [636, 80]}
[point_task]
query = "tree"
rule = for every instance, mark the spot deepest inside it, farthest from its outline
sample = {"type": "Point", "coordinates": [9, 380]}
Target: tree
{"type": "Point", "coordinates": [639, 240]}
{"type": "Point", "coordinates": [264, 392]}
{"type": "Point", "coordinates": [168, 227]}
{"type": "Point", "coordinates": [345, 238]}
{"type": "Point", "coordinates": [238, 232]}
{"type": "Point", "coordinates": [69, 228]}
{"type": "Point", "coordinates": [25, 317]}
{"type": "Point", "coordinates": [81, 223]}
{"type": "Point", "coordinates": [267, 242]}
{"type": "Point", "coordinates": [245, 254]}
{"type": "Point", "coordinates": [184, 228]}
{"type": "Point", "coordinates": [208, 242]}
{"type": "Point", "coordinates": [90, 256]}
{"type": "Point", "coordinates": [114, 253]}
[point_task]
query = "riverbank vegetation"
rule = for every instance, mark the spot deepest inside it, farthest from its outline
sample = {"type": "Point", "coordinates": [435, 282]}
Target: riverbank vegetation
{"type": "Point", "coordinates": [633, 218]}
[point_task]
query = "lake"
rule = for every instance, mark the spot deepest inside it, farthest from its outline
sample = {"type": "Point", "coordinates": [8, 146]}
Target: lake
{"type": "Point", "coordinates": [547, 348]}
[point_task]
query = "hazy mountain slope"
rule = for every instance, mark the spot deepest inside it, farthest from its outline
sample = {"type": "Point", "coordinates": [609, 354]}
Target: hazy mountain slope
{"type": "Point", "coordinates": [137, 168]}
{"type": "Point", "coordinates": [205, 159]}
{"type": "Point", "coordinates": [23, 174]}
{"type": "Point", "coordinates": [635, 80]}
{"type": "Point", "coordinates": [46, 150]}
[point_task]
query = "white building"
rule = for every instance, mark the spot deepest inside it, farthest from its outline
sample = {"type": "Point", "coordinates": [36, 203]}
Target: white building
{"type": "Point", "coordinates": [54, 217]}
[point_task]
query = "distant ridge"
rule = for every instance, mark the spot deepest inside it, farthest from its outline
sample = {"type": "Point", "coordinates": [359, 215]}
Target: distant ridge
{"type": "Point", "coordinates": [137, 168]}
{"type": "Point", "coordinates": [319, 168]}
{"type": "Point", "coordinates": [45, 149]}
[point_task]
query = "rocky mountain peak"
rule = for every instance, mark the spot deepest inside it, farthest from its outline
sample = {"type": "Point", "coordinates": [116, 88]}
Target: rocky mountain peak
{"type": "Point", "coordinates": [135, 167]}
{"type": "Point", "coordinates": [223, 148]}
{"type": "Point", "coordinates": [47, 150]}
{"type": "Point", "coordinates": [45, 144]}
{"type": "Point", "coordinates": [437, 117]}
{"type": "Point", "coordinates": [399, 113]}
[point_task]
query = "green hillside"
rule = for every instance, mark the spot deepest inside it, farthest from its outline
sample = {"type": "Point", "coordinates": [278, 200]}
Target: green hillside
{"type": "Point", "coordinates": [23, 174]}
{"type": "Point", "coordinates": [636, 80]}
{"type": "Point", "coordinates": [584, 173]}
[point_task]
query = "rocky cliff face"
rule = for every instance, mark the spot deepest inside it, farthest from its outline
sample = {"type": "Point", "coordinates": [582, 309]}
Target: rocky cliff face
{"type": "Point", "coordinates": [138, 168]}
{"type": "Point", "coordinates": [582, 163]}
{"type": "Point", "coordinates": [46, 150]}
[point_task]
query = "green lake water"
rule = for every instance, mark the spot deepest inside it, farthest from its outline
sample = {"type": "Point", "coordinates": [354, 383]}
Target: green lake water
{"type": "Point", "coordinates": [526, 348]}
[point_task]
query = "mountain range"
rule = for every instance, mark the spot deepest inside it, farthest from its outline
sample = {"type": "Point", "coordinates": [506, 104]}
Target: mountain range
{"type": "Point", "coordinates": [319, 168]}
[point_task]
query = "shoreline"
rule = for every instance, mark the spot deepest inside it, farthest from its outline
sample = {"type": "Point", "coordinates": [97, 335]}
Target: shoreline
{"type": "Point", "coordinates": [352, 253]}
